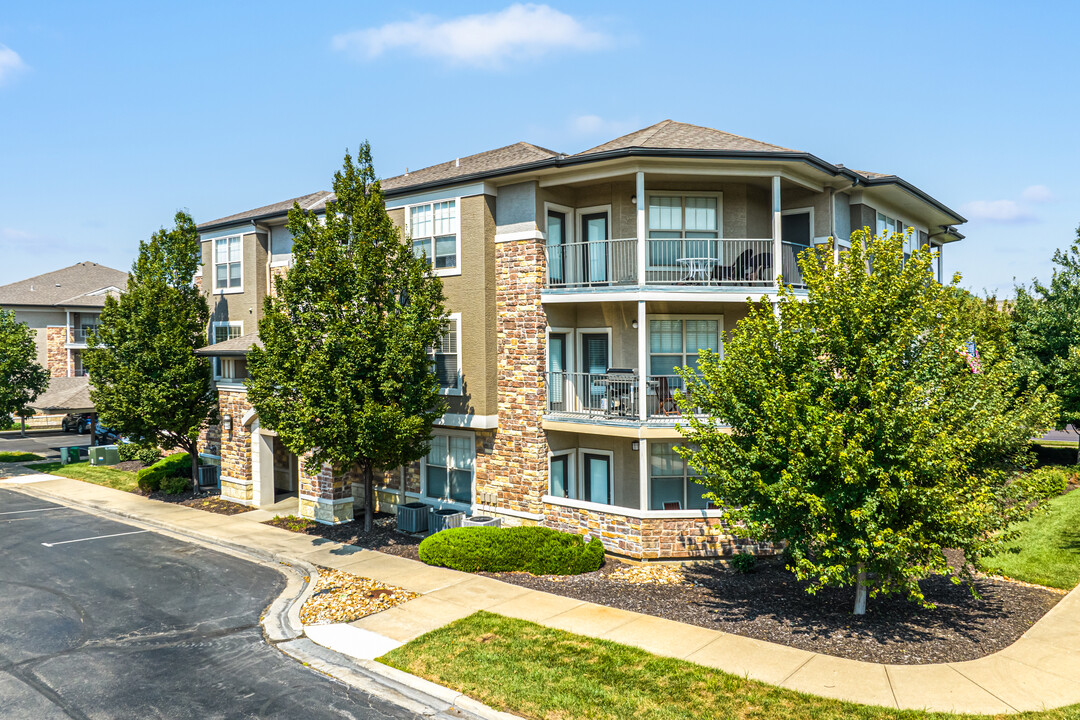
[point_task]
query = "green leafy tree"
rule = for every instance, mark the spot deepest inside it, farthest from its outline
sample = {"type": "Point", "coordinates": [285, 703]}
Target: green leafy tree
{"type": "Point", "coordinates": [1046, 331]}
{"type": "Point", "coordinates": [860, 433]}
{"type": "Point", "coordinates": [344, 374]}
{"type": "Point", "coordinates": [22, 379]}
{"type": "Point", "coordinates": [147, 382]}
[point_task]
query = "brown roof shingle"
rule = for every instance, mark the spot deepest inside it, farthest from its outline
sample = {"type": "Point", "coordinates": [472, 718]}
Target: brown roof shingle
{"type": "Point", "coordinates": [511, 156]}
{"type": "Point", "coordinates": [671, 135]}
{"type": "Point", "coordinates": [311, 201]}
{"type": "Point", "coordinates": [68, 287]}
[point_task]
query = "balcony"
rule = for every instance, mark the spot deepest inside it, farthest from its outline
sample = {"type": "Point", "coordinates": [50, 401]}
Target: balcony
{"type": "Point", "coordinates": [79, 335]}
{"type": "Point", "coordinates": [614, 396]}
{"type": "Point", "coordinates": [677, 263]}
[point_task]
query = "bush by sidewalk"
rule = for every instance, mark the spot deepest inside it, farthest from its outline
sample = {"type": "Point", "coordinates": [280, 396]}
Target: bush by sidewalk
{"type": "Point", "coordinates": [537, 550]}
{"type": "Point", "coordinates": [170, 475]}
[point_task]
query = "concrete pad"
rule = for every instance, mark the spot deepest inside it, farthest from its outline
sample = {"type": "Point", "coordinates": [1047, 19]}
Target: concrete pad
{"type": "Point", "coordinates": [422, 578]}
{"type": "Point", "coordinates": [29, 478]}
{"type": "Point", "coordinates": [662, 637]}
{"type": "Point", "coordinates": [535, 606]}
{"type": "Point", "coordinates": [375, 566]}
{"type": "Point", "coordinates": [478, 593]}
{"type": "Point", "coordinates": [939, 688]}
{"type": "Point", "coordinates": [1045, 656]}
{"type": "Point", "coordinates": [843, 679]}
{"type": "Point", "coordinates": [1059, 629]}
{"type": "Point", "coordinates": [750, 658]}
{"type": "Point", "coordinates": [411, 620]}
{"type": "Point", "coordinates": [351, 641]}
{"type": "Point", "coordinates": [334, 555]}
{"type": "Point", "coordinates": [1021, 686]}
{"type": "Point", "coordinates": [591, 620]}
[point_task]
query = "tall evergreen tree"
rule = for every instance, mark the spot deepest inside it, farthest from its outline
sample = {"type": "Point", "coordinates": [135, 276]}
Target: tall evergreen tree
{"type": "Point", "coordinates": [344, 374]}
{"type": "Point", "coordinates": [147, 382]}
{"type": "Point", "coordinates": [1046, 330]}
{"type": "Point", "coordinates": [863, 430]}
{"type": "Point", "coordinates": [22, 379]}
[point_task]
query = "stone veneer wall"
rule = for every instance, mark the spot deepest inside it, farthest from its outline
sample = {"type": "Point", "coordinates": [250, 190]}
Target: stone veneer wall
{"type": "Point", "coordinates": [653, 538]}
{"type": "Point", "coordinates": [56, 351]}
{"type": "Point", "coordinates": [326, 496]}
{"type": "Point", "coordinates": [276, 273]}
{"type": "Point", "coordinates": [235, 448]}
{"type": "Point", "coordinates": [516, 470]}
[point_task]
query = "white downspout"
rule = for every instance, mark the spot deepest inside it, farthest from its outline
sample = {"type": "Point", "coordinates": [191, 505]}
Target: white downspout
{"type": "Point", "coordinates": [777, 228]}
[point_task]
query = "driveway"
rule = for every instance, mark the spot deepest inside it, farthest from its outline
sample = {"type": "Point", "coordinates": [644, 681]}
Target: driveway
{"type": "Point", "coordinates": [103, 620]}
{"type": "Point", "coordinates": [46, 443]}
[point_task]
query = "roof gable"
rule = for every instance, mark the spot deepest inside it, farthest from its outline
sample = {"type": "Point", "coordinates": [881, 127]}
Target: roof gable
{"type": "Point", "coordinates": [671, 135]}
{"type": "Point", "coordinates": [84, 284]}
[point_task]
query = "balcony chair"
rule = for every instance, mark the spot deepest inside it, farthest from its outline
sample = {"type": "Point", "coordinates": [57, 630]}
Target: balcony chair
{"type": "Point", "coordinates": [666, 400]}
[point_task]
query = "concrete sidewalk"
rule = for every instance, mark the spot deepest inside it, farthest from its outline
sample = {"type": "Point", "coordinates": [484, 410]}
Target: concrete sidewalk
{"type": "Point", "coordinates": [1039, 671]}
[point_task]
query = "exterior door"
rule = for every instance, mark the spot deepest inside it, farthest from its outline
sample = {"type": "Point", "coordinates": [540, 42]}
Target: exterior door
{"type": "Point", "coordinates": [556, 371]}
{"type": "Point", "coordinates": [556, 248]}
{"type": "Point", "coordinates": [597, 481]}
{"type": "Point", "coordinates": [286, 468]}
{"type": "Point", "coordinates": [594, 363]}
{"type": "Point", "coordinates": [594, 233]}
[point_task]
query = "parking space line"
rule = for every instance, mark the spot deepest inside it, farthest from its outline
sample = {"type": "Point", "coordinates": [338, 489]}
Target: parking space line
{"type": "Point", "coordinates": [20, 512]}
{"type": "Point", "coordinates": [98, 537]}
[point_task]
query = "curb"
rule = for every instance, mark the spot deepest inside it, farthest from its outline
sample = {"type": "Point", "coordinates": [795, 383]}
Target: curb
{"type": "Point", "coordinates": [283, 630]}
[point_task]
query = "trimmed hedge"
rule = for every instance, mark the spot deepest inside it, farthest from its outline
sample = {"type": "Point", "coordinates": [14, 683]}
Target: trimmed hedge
{"type": "Point", "coordinates": [537, 550]}
{"type": "Point", "coordinates": [166, 474]}
{"type": "Point", "coordinates": [146, 454]}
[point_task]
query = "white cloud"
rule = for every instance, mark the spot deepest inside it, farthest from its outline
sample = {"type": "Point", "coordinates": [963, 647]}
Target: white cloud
{"type": "Point", "coordinates": [488, 39]}
{"type": "Point", "coordinates": [1003, 211]}
{"type": "Point", "coordinates": [1037, 194]}
{"type": "Point", "coordinates": [10, 63]}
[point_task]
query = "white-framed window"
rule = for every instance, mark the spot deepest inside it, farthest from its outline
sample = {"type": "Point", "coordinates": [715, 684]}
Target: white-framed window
{"type": "Point", "coordinates": [683, 225]}
{"type": "Point", "coordinates": [562, 474]}
{"type": "Point", "coordinates": [672, 482]}
{"type": "Point", "coordinates": [220, 331]}
{"type": "Point", "coordinates": [446, 356]}
{"type": "Point", "coordinates": [595, 477]}
{"type": "Point", "coordinates": [228, 263]}
{"type": "Point", "coordinates": [435, 231]}
{"type": "Point", "coordinates": [449, 468]}
{"type": "Point", "coordinates": [887, 226]}
{"type": "Point", "coordinates": [677, 341]}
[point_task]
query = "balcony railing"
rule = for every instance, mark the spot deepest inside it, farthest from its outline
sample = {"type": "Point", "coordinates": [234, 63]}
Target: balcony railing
{"type": "Point", "coordinates": [700, 262]}
{"type": "Point", "coordinates": [612, 395]}
{"type": "Point", "coordinates": [80, 334]}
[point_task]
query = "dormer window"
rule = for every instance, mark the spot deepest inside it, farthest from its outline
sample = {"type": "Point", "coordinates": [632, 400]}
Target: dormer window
{"type": "Point", "coordinates": [228, 266]}
{"type": "Point", "coordinates": [435, 234]}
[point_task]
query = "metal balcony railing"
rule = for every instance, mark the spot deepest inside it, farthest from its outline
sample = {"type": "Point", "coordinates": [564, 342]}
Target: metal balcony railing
{"type": "Point", "coordinates": [80, 334]}
{"type": "Point", "coordinates": [599, 263]}
{"type": "Point", "coordinates": [614, 395]}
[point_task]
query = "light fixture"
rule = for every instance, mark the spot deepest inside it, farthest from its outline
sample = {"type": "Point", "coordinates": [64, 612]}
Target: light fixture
{"type": "Point", "coordinates": [635, 446]}
{"type": "Point", "coordinates": [633, 199]}
{"type": "Point", "coordinates": [226, 424]}
{"type": "Point", "coordinates": [633, 324]}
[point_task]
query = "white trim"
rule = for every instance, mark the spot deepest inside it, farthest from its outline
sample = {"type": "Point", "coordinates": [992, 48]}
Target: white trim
{"type": "Point", "coordinates": [800, 211]}
{"type": "Point", "coordinates": [735, 295]}
{"type": "Point", "coordinates": [407, 228]}
{"type": "Point", "coordinates": [240, 228]}
{"type": "Point", "coordinates": [215, 290]}
{"type": "Point", "coordinates": [324, 501]}
{"type": "Point", "coordinates": [461, 420]}
{"type": "Point", "coordinates": [571, 466]}
{"type": "Point", "coordinates": [423, 472]}
{"type": "Point", "coordinates": [237, 481]}
{"type": "Point", "coordinates": [286, 262]}
{"type": "Point", "coordinates": [211, 335]}
{"type": "Point", "coordinates": [469, 190]}
{"type": "Point", "coordinates": [578, 344]}
{"type": "Point", "coordinates": [250, 415]}
{"type": "Point", "coordinates": [230, 387]}
{"type": "Point", "coordinates": [579, 213]}
{"type": "Point", "coordinates": [685, 194]}
{"type": "Point", "coordinates": [519, 235]}
{"type": "Point", "coordinates": [566, 210]}
{"type": "Point", "coordinates": [719, 318]}
{"type": "Point", "coordinates": [456, 317]}
{"type": "Point", "coordinates": [610, 455]}
{"type": "Point", "coordinates": [631, 512]}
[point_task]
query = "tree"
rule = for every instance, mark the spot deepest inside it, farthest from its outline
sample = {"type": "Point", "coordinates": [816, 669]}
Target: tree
{"type": "Point", "coordinates": [345, 372]}
{"type": "Point", "coordinates": [1046, 331]}
{"type": "Point", "coordinates": [22, 379]}
{"type": "Point", "coordinates": [861, 432]}
{"type": "Point", "coordinates": [147, 382]}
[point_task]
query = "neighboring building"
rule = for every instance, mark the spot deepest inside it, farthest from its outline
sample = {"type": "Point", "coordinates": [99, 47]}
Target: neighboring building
{"type": "Point", "coordinates": [576, 285]}
{"type": "Point", "coordinates": [62, 307]}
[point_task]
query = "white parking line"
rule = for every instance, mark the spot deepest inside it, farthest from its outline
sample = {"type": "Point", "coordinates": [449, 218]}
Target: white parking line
{"type": "Point", "coordinates": [99, 537]}
{"type": "Point", "coordinates": [19, 512]}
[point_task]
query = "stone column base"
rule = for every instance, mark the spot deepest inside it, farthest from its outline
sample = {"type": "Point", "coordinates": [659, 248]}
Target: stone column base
{"type": "Point", "coordinates": [327, 512]}
{"type": "Point", "coordinates": [237, 491]}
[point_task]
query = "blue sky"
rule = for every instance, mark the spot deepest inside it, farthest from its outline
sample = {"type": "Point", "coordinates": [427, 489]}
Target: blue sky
{"type": "Point", "coordinates": [113, 115]}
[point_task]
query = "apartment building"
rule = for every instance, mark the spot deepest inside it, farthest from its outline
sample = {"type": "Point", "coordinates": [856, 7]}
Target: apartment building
{"type": "Point", "coordinates": [576, 284]}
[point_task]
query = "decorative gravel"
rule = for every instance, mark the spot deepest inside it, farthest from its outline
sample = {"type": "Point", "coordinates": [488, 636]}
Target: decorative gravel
{"type": "Point", "coordinates": [342, 597]}
{"type": "Point", "coordinates": [769, 604]}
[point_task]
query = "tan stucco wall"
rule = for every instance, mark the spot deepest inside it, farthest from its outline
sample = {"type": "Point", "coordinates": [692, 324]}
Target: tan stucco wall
{"type": "Point", "coordinates": [624, 466]}
{"type": "Point", "coordinates": [245, 306]}
{"type": "Point", "coordinates": [38, 320]}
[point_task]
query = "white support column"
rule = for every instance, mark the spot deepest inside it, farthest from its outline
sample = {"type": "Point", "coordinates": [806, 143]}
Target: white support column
{"type": "Point", "coordinates": [642, 205]}
{"type": "Point", "coordinates": [67, 338]}
{"type": "Point", "coordinates": [643, 363]}
{"type": "Point", "coordinates": [262, 467]}
{"type": "Point", "coordinates": [777, 228]}
{"type": "Point", "coordinates": [643, 474]}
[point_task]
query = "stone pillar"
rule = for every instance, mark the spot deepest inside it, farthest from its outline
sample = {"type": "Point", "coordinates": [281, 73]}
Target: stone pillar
{"type": "Point", "coordinates": [326, 496]}
{"type": "Point", "coordinates": [236, 479]}
{"type": "Point", "coordinates": [56, 350]}
{"type": "Point", "coordinates": [517, 468]}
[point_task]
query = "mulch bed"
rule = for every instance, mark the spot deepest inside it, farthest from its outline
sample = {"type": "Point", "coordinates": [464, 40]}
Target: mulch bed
{"type": "Point", "coordinates": [769, 604]}
{"type": "Point", "coordinates": [211, 501]}
{"type": "Point", "coordinates": [384, 536]}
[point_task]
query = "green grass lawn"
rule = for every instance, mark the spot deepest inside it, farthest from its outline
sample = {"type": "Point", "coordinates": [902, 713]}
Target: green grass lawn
{"type": "Point", "coordinates": [107, 476]}
{"type": "Point", "coordinates": [538, 672]}
{"type": "Point", "coordinates": [18, 457]}
{"type": "Point", "coordinates": [1049, 547]}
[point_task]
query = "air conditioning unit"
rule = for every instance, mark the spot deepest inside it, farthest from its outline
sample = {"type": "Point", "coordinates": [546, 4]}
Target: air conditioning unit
{"type": "Point", "coordinates": [209, 476]}
{"type": "Point", "coordinates": [412, 517]}
{"type": "Point", "coordinates": [443, 518]}
{"type": "Point", "coordinates": [104, 455]}
{"type": "Point", "coordinates": [482, 521]}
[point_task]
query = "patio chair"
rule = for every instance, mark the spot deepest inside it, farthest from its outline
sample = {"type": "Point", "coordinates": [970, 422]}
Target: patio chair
{"type": "Point", "coordinates": [675, 505]}
{"type": "Point", "coordinates": [665, 399]}
{"type": "Point", "coordinates": [738, 270]}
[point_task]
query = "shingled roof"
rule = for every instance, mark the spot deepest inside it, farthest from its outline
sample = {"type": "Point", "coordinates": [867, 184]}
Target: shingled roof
{"type": "Point", "coordinates": [311, 201]}
{"type": "Point", "coordinates": [503, 158]}
{"type": "Point", "coordinates": [671, 135]}
{"type": "Point", "coordinates": [83, 284]}
{"type": "Point", "coordinates": [65, 394]}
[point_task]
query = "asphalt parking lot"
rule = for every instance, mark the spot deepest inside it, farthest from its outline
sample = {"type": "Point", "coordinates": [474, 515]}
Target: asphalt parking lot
{"type": "Point", "coordinates": [99, 619]}
{"type": "Point", "coordinates": [46, 443]}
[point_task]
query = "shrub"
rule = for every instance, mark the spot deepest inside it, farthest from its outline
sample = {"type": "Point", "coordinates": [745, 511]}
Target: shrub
{"type": "Point", "coordinates": [151, 479]}
{"type": "Point", "coordinates": [744, 562]}
{"type": "Point", "coordinates": [175, 484]}
{"type": "Point", "coordinates": [146, 454]}
{"type": "Point", "coordinates": [537, 550]}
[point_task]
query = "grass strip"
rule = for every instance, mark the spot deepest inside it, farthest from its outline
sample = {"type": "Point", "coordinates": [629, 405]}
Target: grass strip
{"type": "Point", "coordinates": [538, 672]}
{"type": "Point", "coordinates": [1049, 547]}
{"type": "Point", "coordinates": [18, 457]}
{"type": "Point", "coordinates": [107, 476]}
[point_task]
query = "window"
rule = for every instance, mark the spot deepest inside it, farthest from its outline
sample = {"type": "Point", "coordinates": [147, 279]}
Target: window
{"type": "Point", "coordinates": [581, 475]}
{"type": "Point", "coordinates": [220, 332]}
{"type": "Point", "coordinates": [686, 226]}
{"type": "Point", "coordinates": [677, 342]}
{"type": "Point", "coordinates": [434, 230]}
{"type": "Point", "coordinates": [887, 226]}
{"type": "Point", "coordinates": [672, 483]}
{"type": "Point", "coordinates": [449, 467]}
{"type": "Point", "coordinates": [561, 475]}
{"type": "Point", "coordinates": [446, 357]}
{"type": "Point", "coordinates": [234, 368]}
{"type": "Point", "coordinates": [227, 263]}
